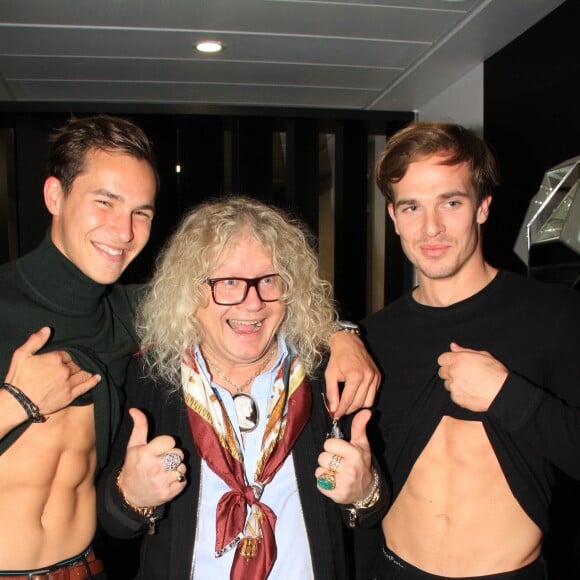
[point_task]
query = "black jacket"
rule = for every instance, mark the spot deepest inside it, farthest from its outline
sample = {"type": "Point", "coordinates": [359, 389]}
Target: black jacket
{"type": "Point", "coordinates": [169, 553]}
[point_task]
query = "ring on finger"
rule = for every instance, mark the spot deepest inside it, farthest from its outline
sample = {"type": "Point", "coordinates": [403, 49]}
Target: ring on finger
{"type": "Point", "coordinates": [334, 463]}
{"type": "Point", "coordinates": [327, 481]}
{"type": "Point", "coordinates": [171, 461]}
{"type": "Point", "coordinates": [180, 476]}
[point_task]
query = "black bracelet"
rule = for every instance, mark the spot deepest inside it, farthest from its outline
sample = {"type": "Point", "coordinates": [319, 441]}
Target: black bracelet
{"type": "Point", "coordinates": [31, 409]}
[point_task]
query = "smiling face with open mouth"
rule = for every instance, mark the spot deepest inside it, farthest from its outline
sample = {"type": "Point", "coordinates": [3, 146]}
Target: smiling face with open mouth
{"type": "Point", "coordinates": [238, 338]}
{"type": "Point", "coordinates": [104, 221]}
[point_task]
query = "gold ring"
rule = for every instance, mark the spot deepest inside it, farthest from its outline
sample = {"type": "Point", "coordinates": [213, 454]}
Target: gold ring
{"type": "Point", "coordinates": [334, 463]}
{"type": "Point", "coordinates": [180, 476]}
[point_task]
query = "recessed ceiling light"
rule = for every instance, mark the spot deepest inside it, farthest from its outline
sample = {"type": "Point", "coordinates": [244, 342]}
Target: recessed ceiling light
{"type": "Point", "coordinates": [209, 46]}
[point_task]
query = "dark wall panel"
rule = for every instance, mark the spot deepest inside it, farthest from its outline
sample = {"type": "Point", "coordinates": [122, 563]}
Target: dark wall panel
{"type": "Point", "coordinates": [31, 144]}
{"type": "Point", "coordinates": [351, 193]}
{"type": "Point", "coordinates": [252, 157]}
{"type": "Point", "coordinates": [302, 179]}
{"type": "Point", "coordinates": [532, 121]}
{"type": "Point", "coordinates": [201, 154]}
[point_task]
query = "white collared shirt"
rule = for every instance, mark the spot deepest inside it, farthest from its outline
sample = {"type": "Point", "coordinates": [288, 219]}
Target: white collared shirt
{"type": "Point", "coordinates": [281, 495]}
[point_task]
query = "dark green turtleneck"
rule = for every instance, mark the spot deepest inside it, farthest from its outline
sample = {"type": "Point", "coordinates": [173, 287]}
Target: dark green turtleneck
{"type": "Point", "coordinates": [93, 322]}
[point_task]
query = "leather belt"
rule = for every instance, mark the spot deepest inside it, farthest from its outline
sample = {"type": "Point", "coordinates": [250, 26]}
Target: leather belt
{"type": "Point", "coordinates": [75, 571]}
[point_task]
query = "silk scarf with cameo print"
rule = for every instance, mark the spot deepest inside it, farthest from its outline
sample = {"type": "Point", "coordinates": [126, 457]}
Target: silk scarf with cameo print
{"type": "Point", "coordinates": [253, 534]}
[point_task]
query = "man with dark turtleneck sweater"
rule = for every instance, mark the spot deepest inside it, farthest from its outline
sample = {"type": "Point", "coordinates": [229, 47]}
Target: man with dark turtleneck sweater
{"type": "Point", "coordinates": [55, 425]}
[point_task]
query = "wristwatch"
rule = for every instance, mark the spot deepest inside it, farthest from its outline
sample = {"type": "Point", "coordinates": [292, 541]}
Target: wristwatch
{"type": "Point", "coordinates": [347, 326]}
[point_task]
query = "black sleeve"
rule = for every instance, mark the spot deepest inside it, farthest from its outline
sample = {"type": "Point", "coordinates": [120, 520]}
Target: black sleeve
{"type": "Point", "coordinates": [115, 516]}
{"type": "Point", "coordinates": [547, 415]}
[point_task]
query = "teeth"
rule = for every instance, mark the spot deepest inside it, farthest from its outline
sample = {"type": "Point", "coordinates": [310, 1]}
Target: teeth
{"type": "Point", "coordinates": [109, 251]}
{"type": "Point", "coordinates": [257, 323]}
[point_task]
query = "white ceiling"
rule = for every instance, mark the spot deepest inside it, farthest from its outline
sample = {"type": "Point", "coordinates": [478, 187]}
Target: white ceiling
{"type": "Point", "coordinates": [348, 54]}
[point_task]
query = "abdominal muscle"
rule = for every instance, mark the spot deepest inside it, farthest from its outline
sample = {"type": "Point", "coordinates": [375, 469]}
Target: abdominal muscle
{"type": "Point", "coordinates": [456, 515]}
{"type": "Point", "coordinates": [47, 494]}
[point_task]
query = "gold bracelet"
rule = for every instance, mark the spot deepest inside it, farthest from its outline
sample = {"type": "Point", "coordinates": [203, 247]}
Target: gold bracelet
{"type": "Point", "coordinates": [146, 512]}
{"type": "Point", "coordinates": [371, 499]}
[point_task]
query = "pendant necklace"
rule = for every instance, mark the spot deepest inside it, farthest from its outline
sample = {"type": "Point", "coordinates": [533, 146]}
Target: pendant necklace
{"type": "Point", "coordinates": [335, 430]}
{"type": "Point", "coordinates": [245, 405]}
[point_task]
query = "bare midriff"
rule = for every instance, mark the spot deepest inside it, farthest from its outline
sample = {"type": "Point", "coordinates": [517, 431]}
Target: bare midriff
{"type": "Point", "coordinates": [456, 515]}
{"type": "Point", "coordinates": [47, 493]}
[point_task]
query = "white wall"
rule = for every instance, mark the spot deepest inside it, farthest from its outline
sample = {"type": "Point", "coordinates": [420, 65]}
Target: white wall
{"type": "Point", "coordinates": [461, 103]}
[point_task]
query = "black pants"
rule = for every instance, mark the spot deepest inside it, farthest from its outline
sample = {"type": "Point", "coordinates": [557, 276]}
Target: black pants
{"type": "Point", "coordinates": [390, 567]}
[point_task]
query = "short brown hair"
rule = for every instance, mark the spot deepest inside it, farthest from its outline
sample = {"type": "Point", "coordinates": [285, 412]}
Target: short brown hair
{"type": "Point", "coordinates": [70, 144]}
{"type": "Point", "coordinates": [423, 139]}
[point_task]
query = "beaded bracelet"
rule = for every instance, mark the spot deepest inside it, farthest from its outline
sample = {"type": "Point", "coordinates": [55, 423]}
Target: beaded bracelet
{"type": "Point", "coordinates": [31, 409]}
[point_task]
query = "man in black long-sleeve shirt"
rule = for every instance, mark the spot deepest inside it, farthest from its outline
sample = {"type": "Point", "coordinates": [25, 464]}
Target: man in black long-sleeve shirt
{"type": "Point", "coordinates": [480, 401]}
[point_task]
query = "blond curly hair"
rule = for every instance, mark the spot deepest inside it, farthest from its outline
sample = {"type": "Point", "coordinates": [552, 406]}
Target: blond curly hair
{"type": "Point", "coordinates": [166, 319]}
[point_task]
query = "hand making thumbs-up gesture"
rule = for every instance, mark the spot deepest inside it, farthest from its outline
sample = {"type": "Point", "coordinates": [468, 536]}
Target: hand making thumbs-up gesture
{"type": "Point", "coordinates": [344, 467]}
{"type": "Point", "coordinates": [153, 472]}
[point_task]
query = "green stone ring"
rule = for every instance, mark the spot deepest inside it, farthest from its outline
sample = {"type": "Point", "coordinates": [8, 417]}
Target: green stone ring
{"type": "Point", "coordinates": [326, 481]}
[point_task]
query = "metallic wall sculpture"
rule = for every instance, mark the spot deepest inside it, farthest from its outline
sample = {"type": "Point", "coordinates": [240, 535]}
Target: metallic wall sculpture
{"type": "Point", "coordinates": [549, 238]}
